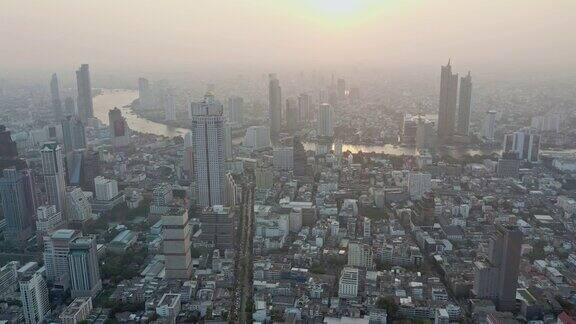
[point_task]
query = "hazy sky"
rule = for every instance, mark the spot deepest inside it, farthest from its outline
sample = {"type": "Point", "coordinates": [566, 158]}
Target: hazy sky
{"type": "Point", "coordinates": [146, 35]}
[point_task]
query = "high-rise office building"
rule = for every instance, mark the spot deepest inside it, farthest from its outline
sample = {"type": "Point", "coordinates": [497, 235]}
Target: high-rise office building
{"type": "Point", "coordinates": [291, 115]}
{"type": "Point", "coordinates": [525, 143]}
{"type": "Point", "coordinates": [84, 272]}
{"type": "Point", "coordinates": [55, 94]}
{"type": "Point", "coordinates": [505, 253]}
{"type": "Point", "coordinates": [9, 151]}
{"type": "Point", "coordinates": [208, 145]}
{"type": "Point", "coordinates": [84, 102]}
{"type": "Point", "coordinates": [464, 105]}
{"type": "Point", "coordinates": [497, 278]}
{"type": "Point", "coordinates": [304, 111]}
{"type": "Point", "coordinates": [78, 204]}
{"type": "Point", "coordinates": [360, 255]}
{"type": "Point", "coordinates": [489, 126]}
{"type": "Point", "coordinates": [325, 121]}
{"type": "Point", "coordinates": [257, 137]}
{"type": "Point", "coordinates": [217, 223]}
{"type": "Point", "coordinates": [274, 106]}
{"type": "Point", "coordinates": [300, 160]}
{"type": "Point", "coordinates": [348, 283]}
{"type": "Point", "coordinates": [283, 158]}
{"type": "Point", "coordinates": [17, 204]}
{"type": "Point", "coordinates": [54, 175]}
{"type": "Point", "coordinates": [34, 297]}
{"type": "Point", "coordinates": [236, 110]}
{"type": "Point", "coordinates": [106, 189]}
{"type": "Point", "coordinates": [119, 130]}
{"type": "Point", "coordinates": [176, 244]}
{"type": "Point", "coordinates": [56, 249]}
{"type": "Point", "coordinates": [169, 106]}
{"type": "Point", "coordinates": [90, 169]}
{"type": "Point", "coordinates": [73, 134]}
{"type": "Point", "coordinates": [228, 153]}
{"type": "Point", "coordinates": [144, 93]}
{"type": "Point", "coordinates": [69, 106]}
{"type": "Point", "coordinates": [419, 184]}
{"type": "Point", "coordinates": [508, 165]}
{"type": "Point", "coordinates": [447, 105]}
{"type": "Point", "coordinates": [48, 220]}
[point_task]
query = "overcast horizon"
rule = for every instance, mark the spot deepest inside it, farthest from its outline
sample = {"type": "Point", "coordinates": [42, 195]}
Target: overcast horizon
{"type": "Point", "coordinates": [177, 36]}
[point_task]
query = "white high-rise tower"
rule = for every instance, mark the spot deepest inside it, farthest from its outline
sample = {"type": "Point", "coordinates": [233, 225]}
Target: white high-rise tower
{"type": "Point", "coordinates": [325, 121]}
{"type": "Point", "coordinates": [209, 155]}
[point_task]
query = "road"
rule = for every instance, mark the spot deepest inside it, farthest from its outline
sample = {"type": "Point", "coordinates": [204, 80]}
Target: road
{"type": "Point", "coordinates": [244, 260]}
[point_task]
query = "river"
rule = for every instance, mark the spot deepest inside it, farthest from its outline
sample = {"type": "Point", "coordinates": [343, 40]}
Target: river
{"type": "Point", "coordinates": [108, 99]}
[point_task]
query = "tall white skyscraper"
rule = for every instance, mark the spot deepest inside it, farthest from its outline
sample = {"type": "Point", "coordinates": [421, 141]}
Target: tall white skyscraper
{"type": "Point", "coordinates": [489, 125]}
{"type": "Point", "coordinates": [84, 272]}
{"type": "Point", "coordinates": [209, 155]}
{"type": "Point", "coordinates": [34, 298]}
{"type": "Point", "coordinates": [325, 121]}
{"type": "Point", "coordinates": [54, 176]}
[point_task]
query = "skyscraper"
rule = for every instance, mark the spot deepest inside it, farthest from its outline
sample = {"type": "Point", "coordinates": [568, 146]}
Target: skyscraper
{"type": "Point", "coordinates": [34, 297]}
{"type": "Point", "coordinates": [236, 110]}
{"type": "Point", "coordinates": [9, 151]}
{"type": "Point", "coordinates": [464, 105]}
{"type": "Point", "coordinates": [304, 112]}
{"type": "Point", "coordinates": [208, 145]}
{"type": "Point", "coordinates": [489, 126]}
{"type": "Point", "coordinates": [504, 253]}
{"type": "Point", "coordinates": [176, 246]}
{"type": "Point", "coordinates": [447, 106]}
{"type": "Point", "coordinates": [325, 121]}
{"type": "Point", "coordinates": [54, 176]}
{"type": "Point", "coordinates": [228, 153]}
{"type": "Point", "coordinates": [525, 143]}
{"type": "Point", "coordinates": [18, 208]}
{"type": "Point", "coordinates": [274, 106]}
{"type": "Point", "coordinates": [69, 106]}
{"type": "Point", "coordinates": [56, 249]}
{"type": "Point", "coordinates": [300, 160]}
{"type": "Point", "coordinates": [119, 130]}
{"type": "Point", "coordinates": [291, 115]}
{"type": "Point", "coordinates": [84, 272]}
{"type": "Point", "coordinates": [169, 106]}
{"type": "Point", "coordinates": [55, 94]}
{"type": "Point", "coordinates": [144, 93]}
{"type": "Point", "coordinates": [85, 106]}
{"type": "Point", "coordinates": [73, 134]}
{"type": "Point", "coordinates": [217, 223]}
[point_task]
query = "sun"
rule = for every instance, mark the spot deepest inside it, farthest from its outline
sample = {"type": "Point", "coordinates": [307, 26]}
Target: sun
{"type": "Point", "coordinates": [336, 7]}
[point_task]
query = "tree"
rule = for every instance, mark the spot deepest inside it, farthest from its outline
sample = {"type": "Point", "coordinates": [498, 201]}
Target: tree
{"type": "Point", "coordinates": [389, 305]}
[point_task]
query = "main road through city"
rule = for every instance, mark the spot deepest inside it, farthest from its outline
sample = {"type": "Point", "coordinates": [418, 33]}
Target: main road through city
{"type": "Point", "coordinates": [240, 312]}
